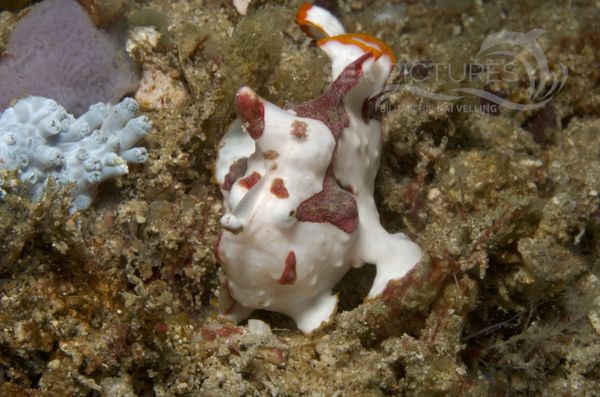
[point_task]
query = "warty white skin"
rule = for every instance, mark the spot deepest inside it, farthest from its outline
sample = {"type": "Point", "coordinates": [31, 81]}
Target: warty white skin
{"type": "Point", "coordinates": [393, 254]}
{"type": "Point", "coordinates": [324, 252]}
{"type": "Point", "coordinates": [266, 229]}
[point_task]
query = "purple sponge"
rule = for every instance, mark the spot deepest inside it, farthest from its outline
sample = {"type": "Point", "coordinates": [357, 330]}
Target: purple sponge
{"type": "Point", "coordinates": [56, 52]}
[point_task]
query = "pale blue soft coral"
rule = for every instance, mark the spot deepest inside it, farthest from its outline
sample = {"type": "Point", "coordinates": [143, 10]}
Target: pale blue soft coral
{"type": "Point", "coordinates": [40, 140]}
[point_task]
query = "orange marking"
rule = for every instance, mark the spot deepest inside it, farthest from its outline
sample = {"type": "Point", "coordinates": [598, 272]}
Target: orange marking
{"type": "Point", "coordinates": [249, 181]}
{"type": "Point", "coordinates": [384, 48]}
{"type": "Point", "coordinates": [302, 13]}
{"type": "Point", "coordinates": [304, 23]}
{"type": "Point", "coordinates": [278, 189]}
{"type": "Point", "coordinates": [345, 39]}
{"type": "Point", "coordinates": [358, 39]}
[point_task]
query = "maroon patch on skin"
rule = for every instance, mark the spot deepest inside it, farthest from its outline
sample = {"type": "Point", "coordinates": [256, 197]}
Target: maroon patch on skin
{"type": "Point", "coordinates": [236, 170]}
{"type": "Point", "coordinates": [349, 189]}
{"type": "Point", "coordinates": [299, 129]}
{"type": "Point", "coordinates": [251, 110]}
{"type": "Point", "coordinates": [227, 183]}
{"type": "Point", "coordinates": [249, 181]}
{"type": "Point", "coordinates": [278, 189]}
{"type": "Point", "coordinates": [329, 107]}
{"type": "Point", "coordinates": [288, 276]}
{"type": "Point", "coordinates": [331, 205]}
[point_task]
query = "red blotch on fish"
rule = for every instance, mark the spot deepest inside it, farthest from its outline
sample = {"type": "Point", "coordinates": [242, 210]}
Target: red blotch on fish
{"type": "Point", "coordinates": [249, 181]}
{"type": "Point", "coordinates": [331, 205]}
{"type": "Point", "coordinates": [251, 111]}
{"type": "Point", "coordinates": [236, 170]}
{"type": "Point", "coordinates": [288, 276]}
{"type": "Point", "coordinates": [278, 189]}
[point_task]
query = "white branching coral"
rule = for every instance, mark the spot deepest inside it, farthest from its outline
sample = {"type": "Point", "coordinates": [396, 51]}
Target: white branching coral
{"type": "Point", "coordinates": [40, 140]}
{"type": "Point", "coordinates": [298, 186]}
